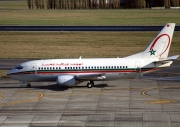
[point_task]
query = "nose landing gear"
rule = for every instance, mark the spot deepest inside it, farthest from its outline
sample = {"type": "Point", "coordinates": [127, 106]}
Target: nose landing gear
{"type": "Point", "coordinates": [28, 85]}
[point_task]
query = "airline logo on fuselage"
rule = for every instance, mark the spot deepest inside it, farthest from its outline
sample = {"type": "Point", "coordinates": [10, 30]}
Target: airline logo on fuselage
{"type": "Point", "coordinates": [61, 64]}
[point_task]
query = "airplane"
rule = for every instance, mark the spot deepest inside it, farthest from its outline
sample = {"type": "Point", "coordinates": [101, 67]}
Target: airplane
{"type": "Point", "coordinates": [70, 72]}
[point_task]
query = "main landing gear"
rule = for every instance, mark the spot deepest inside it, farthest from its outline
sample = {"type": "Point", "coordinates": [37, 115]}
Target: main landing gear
{"type": "Point", "coordinates": [28, 85]}
{"type": "Point", "coordinates": [90, 84]}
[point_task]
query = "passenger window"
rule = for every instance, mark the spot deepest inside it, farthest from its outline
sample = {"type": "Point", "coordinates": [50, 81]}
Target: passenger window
{"type": "Point", "coordinates": [44, 68]}
{"type": "Point", "coordinates": [59, 68]}
{"type": "Point", "coordinates": [47, 68]}
{"type": "Point", "coordinates": [41, 68]}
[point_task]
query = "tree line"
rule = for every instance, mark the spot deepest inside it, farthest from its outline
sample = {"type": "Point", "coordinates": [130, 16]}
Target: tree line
{"type": "Point", "coordinates": [165, 3]}
{"type": "Point", "coordinates": [99, 4]}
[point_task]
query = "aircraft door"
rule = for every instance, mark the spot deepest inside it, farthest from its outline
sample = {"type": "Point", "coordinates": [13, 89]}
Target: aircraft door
{"type": "Point", "coordinates": [137, 67]}
{"type": "Point", "coordinates": [33, 68]}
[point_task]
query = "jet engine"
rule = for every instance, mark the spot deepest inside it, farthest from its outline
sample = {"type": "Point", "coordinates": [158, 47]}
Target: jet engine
{"type": "Point", "coordinates": [66, 80]}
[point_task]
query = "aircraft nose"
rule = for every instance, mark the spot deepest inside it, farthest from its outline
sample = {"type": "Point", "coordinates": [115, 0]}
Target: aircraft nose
{"type": "Point", "coordinates": [9, 72]}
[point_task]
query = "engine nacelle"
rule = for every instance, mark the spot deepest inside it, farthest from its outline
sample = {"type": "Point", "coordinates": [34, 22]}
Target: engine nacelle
{"type": "Point", "coordinates": [66, 80]}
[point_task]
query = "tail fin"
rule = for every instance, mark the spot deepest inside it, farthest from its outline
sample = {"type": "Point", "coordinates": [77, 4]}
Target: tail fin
{"type": "Point", "coordinates": [159, 47]}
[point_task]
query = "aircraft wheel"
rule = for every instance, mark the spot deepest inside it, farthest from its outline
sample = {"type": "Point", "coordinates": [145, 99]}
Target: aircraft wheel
{"type": "Point", "coordinates": [28, 86]}
{"type": "Point", "coordinates": [92, 82]}
{"type": "Point", "coordinates": [89, 85]}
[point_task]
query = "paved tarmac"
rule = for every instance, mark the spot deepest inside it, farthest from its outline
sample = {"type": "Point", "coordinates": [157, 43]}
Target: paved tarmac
{"type": "Point", "coordinates": [121, 103]}
{"type": "Point", "coordinates": [151, 101]}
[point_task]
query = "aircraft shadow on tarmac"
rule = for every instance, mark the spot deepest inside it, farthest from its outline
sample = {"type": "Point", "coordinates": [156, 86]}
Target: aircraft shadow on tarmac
{"type": "Point", "coordinates": [53, 87]}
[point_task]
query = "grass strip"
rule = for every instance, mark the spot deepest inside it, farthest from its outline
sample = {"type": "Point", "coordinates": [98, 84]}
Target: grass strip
{"type": "Point", "coordinates": [42, 45]}
{"type": "Point", "coordinates": [17, 13]}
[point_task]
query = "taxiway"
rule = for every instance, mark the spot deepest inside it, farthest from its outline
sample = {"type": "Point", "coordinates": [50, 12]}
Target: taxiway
{"type": "Point", "coordinates": [149, 101]}
{"type": "Point", "coordinates": [126, 103]}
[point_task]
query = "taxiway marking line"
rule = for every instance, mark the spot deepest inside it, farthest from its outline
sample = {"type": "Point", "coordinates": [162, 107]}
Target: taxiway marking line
{"type": "Point", "coordinates": [40, 95]}
{"type": "Point", "coordinates": [158, 101]}
{"type": "Point", "coordinates": [162, 101]}
{"type": "Point", "coordinates": [1, 96]}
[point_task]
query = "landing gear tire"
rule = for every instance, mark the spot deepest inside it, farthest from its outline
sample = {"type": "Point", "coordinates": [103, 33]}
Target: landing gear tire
{"type": "Point", "coordinates": [92, 82]}
{"type": "Point", "coordinates": [89, 85]}
{"type": "Point", "coordinates": [28, 85]}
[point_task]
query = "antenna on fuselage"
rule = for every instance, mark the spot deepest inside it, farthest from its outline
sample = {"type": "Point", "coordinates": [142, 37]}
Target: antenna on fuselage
{"type": "Point", "coordinates": [80, 57]}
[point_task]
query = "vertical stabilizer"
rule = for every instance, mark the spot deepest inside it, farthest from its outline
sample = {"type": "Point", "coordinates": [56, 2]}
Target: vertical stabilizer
{"type": "Point", "coordinates": [159, 47]}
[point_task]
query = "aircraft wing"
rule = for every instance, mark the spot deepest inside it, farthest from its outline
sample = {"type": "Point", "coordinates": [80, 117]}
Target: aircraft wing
{"type": "Point", "coordinates": [94, 76]}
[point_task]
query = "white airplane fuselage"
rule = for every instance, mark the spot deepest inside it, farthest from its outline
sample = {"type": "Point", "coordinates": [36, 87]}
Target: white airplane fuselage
{"type": "Point", "coordinates": [69, 72]}
{"type": "Point", "coordinates": [111, 68]}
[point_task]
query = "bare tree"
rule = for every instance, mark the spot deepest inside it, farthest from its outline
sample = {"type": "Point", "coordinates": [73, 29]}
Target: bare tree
{"type": "Point", "coordinates": [29, 4]}
{"type": "Point", "coordinates": [48, 4]}
{"type": "Point", "coordinates": [142, 4]}
{"type": "Point", "coordinates": [42, 4]}
{"type": "Point", "coordinates": [57, 4]}
{"type": "Point", "coordinates": [37, 4]}
{"type": "Point", "coordinates": [166, 3]}
{"type": "Point", "coordinates": [172, 3]}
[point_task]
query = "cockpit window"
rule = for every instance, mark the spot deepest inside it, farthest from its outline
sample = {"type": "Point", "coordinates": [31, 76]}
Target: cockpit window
{"type": "Point", "coordinates": [19, 67]}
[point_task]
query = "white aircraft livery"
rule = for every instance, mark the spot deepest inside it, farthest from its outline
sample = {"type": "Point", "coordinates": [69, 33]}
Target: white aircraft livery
{"type": "Point", "coordinates": [69, 72]}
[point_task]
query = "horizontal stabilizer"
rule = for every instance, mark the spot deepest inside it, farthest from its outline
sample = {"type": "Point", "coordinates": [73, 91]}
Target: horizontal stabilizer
{"type": "Point", "coordinates": [169, 59]}
{"type": "Point", "coordinates": [173, 57]}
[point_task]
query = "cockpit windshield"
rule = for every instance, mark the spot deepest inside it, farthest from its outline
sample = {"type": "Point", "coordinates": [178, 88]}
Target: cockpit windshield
{"type": "Point", "coordinates": [19, 67]}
